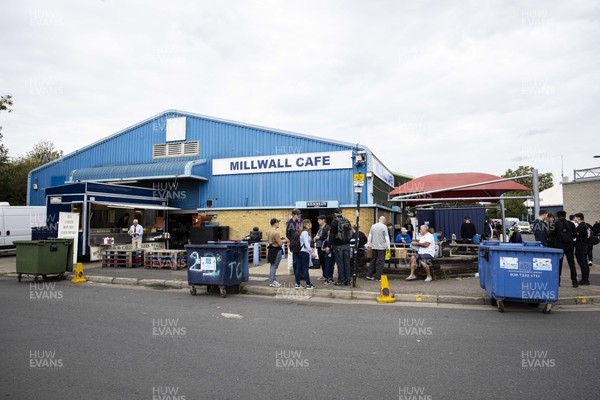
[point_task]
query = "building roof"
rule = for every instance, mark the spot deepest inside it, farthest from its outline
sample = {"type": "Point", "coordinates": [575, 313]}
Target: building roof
{"type": "Point", "coordinates": [201, 116]}
{"type": "Point", "coordinates": [550, 197]}
{"type": "Point", "coordinates": [439, 186]}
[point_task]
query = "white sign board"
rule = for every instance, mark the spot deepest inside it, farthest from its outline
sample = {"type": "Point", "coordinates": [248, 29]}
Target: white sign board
{"type": "Point", "coordinates": [68, 228]}
{"type": "Point", "coordinates": [283, 163]}
{"type": "Point", "coordinates": [382, 172]}
{"type": "Point", "coordinates": [175, 129]}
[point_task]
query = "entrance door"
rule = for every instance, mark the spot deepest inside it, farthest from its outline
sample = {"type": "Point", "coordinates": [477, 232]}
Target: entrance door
{"type": "Point", "coordinates": [313, 215]}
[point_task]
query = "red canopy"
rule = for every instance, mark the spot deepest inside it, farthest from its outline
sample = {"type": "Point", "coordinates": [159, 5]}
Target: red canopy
{"type": "Point", "coordinates": [440, 182]}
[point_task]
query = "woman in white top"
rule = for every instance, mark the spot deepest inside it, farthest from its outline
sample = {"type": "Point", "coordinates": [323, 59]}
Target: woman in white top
{"type": "Point", "coordinates": [305, 253]}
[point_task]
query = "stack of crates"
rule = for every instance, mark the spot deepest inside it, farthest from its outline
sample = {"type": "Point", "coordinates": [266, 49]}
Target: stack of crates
{"type": "Point", "coordinates": [172, 259]}
{"type": "Point", "coordinates": [123, 258]}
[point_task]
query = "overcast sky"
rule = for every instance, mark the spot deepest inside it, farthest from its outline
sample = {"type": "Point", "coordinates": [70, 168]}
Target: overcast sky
{"type": "Point", "coordinates": [429, 86]}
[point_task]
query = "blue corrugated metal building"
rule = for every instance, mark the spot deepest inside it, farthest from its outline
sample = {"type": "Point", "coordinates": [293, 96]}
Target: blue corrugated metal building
{"type": "Point", "coordinates": [209, 165]}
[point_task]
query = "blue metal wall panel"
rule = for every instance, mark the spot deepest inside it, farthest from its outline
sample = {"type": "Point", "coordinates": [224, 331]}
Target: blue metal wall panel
{"type": "Point", "coordinates": [449, 220]}
{"type": "Point", "coordinates": [217, 140]}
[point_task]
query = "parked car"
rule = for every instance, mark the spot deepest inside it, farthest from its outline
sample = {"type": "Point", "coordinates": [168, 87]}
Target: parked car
{"type": "Point", "coordinates": [524, 226]}
{"type": "Point", "coordinates": [510, 222]}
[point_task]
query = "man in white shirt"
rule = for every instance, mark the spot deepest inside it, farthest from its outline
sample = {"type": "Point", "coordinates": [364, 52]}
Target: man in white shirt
{"type": "Point", "coordinates": [426, 245]}
{"type": "Point", "coordinates": [379, 241]}
{"type": "Point", "coordinates": [136, 232]}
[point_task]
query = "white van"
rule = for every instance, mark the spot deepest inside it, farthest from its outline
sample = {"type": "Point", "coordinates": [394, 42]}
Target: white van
{"type": "Point", "coordinates": [16, 223]}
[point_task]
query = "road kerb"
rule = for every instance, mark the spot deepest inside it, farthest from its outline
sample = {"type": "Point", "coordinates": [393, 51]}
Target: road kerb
{"type": "Point", "coordinates": [152, 282]}
{"type": "Point", "coordinates": [100, 279]}
{"type": "Point", "coordinates": [125, 281]}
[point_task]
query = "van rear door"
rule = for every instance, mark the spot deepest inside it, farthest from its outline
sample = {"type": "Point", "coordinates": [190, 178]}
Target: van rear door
{"type": "Point", "coordinates": [2, 232]}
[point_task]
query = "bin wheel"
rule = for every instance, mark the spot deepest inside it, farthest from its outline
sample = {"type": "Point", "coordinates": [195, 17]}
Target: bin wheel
{"type": "Point", "coordinates": [547, 308]}
{"type": "Point", "coordinates": [193, 290]}
{"type": "Point", "coordinates": [45, 277]}
{"type": "Point", "coordinates": [208, 288]}
{"type": "Point", "coordinates": [500, 306]}
{"type": "Point", "coordinates": [493, 302]}
{"type": "Point", "coordinates": [223, 291]}
{"type": "Point", "coordinates": [35, 277]}
{"type": "Point", "coordinates": [19, 278]}
{"type": "Point", "coordinates": [60, 277]}
{"type": "Point", "coordinates": [238, 289]}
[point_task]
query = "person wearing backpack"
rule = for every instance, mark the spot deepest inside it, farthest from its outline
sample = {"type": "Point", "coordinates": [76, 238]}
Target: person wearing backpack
{"type": "Point", "coordinates": [304, 254]}
{"type": "Point", "coordinates": [562, 233]}
{"type": "Point", "coordinates": [581, 248]}
{"type": "Point", "coordinates": [340, 235]}
{"type": "Point", "coordinates": [291, 230]}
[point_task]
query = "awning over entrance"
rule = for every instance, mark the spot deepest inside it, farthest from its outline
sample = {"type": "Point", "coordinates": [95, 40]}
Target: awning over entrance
{"type": "Point", "coordinates": [110, 204]}
{"type": "Point", "coordinates": [468, 186]}
{"type": "Point", "coordinates": [135, 172]}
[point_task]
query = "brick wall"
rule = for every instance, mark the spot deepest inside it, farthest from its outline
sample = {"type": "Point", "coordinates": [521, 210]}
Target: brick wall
{"type": "Point", "coordinates": [241, 222]}
{"type": "Point", "coordinates": [583, 197]}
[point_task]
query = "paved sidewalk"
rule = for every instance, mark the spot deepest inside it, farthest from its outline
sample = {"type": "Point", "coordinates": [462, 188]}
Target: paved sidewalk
{"type": "Point", "coordinates": [452, 290]}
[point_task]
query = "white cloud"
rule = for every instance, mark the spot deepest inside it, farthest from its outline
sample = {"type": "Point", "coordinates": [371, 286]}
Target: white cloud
{"type": "Point", "coordinates": [428, 86]}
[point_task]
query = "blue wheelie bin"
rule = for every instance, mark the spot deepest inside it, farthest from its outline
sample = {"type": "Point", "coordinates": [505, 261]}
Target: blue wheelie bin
{"type": "Point", "coordinates": [217, 264]}
{"type": "Point", "coordinates": [522, 272]}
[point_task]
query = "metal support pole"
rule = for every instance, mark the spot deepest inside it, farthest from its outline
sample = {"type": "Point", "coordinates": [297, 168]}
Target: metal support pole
{"type": "Point", "coordinates": [355, 248]}
{"type": "Point", "coordinates": [503, 219]}
{"type": "Point", "coordinates": [536, 193]}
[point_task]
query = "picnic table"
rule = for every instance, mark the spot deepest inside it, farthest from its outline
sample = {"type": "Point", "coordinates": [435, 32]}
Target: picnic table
{"type": "Point", "coordinates": [463, 248]}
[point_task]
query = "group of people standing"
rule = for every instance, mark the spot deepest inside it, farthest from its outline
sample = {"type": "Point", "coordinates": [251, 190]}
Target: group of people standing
{"type": "Point", "coordinates": [332, 244]}
{"type": "Point", "coordinates": [574, 236]}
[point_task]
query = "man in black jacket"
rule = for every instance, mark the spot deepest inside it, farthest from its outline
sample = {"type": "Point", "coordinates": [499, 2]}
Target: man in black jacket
{"type": "Point", "coordinates": [540, 228]}
{"type": "Point", "coordinates": [581, 248]}
{"type": "Point", "coordinates": [341, 248]}
{"type": "Point", "coordinates": [291, 230]}
{"type": "Point", "coordinates": [467, 231]}
{"type": "Point", "coordinates": [488, 229]}
{"type": "Point", "coordinates": [563, 232]}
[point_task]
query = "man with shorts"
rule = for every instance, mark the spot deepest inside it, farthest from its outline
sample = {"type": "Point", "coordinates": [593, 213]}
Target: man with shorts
{"type": "Point", "coordinates": [425, 254]}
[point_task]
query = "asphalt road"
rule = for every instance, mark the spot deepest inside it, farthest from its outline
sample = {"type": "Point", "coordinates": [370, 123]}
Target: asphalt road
{"type": "Point", "coordinates": [68, 341]}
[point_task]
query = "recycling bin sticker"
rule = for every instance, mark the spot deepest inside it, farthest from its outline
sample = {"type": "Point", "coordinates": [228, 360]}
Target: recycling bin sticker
{"type": "Point", "coordinates": [509, 262]}
{"type": "Point", "coordinates": [542, 264]}
{"type": "Point", "coordinates": [208, 264]}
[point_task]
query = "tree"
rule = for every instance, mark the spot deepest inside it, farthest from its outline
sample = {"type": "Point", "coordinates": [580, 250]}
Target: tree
{"type": "Point", "coordinates": [13, 174]}
{"type": "Point", "coordinates": [516, 208]}
{"type": "Point", "coordinates": [42, 153]}
{"type": "Point", "coordinates": [5, 103]}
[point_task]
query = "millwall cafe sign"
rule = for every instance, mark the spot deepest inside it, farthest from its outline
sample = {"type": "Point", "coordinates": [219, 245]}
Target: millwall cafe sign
{"type": "Point", "coordinates": [283, 163]}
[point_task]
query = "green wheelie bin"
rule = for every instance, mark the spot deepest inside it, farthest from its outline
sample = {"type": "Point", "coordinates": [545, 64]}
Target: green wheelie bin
{"type": "Point", "coordinates": [44, 257]}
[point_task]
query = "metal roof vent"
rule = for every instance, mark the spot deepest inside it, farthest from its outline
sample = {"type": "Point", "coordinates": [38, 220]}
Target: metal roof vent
{"type": "Point", "coordinates": [176, 149]}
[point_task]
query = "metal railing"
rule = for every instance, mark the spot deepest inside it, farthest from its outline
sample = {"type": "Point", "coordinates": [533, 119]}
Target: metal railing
{"type": "Point", "coordinates": [586, 173]}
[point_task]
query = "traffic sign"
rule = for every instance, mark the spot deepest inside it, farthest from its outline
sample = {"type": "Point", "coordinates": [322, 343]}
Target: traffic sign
{"type": "Point", "coordinates": [359, 179]}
